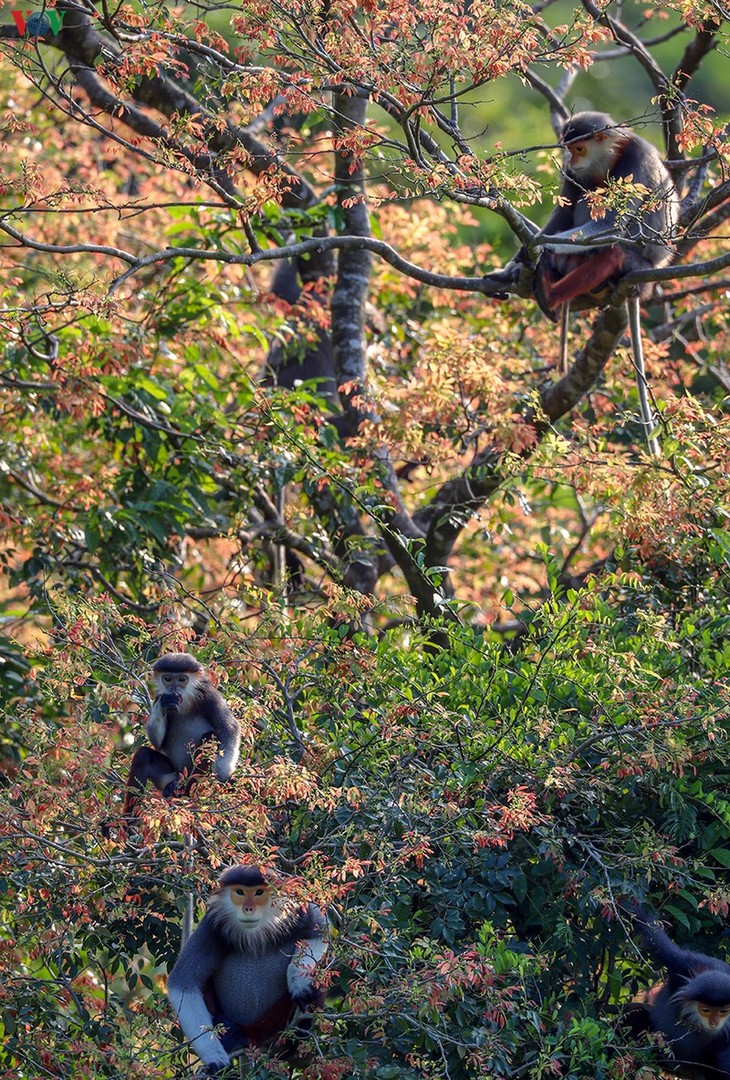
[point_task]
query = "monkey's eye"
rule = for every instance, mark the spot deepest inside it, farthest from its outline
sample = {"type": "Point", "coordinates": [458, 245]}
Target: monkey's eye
{"type": "Point", "coordinates": [259, 892]}
{"type": "Point", "coordinates": [167, 678]}
{"type": "Point", "coordinates": [239, 892]}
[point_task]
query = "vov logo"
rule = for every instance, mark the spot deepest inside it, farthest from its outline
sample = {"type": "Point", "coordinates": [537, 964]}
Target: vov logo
{"type": "Point", "coordinates": [38, 23]}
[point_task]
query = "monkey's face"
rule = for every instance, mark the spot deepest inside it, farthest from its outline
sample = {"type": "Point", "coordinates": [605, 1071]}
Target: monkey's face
{"type": "Point", "coordinates": [182, 683]}
{"type": "Point", "coordinates": [710, 1018]}
{"type": "Point", "coordinates": [592, 156]}
{"type": "Point", "coordinates": [251, 906]}
{"type": "Point", "coordinates": [177, 681]}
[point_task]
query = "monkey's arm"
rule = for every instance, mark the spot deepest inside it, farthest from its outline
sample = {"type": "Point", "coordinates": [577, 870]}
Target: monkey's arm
{"type": "Point", "coordinates": [680, 963]}
{"type": "Point", "coordinates": [228, 735]}
{"type": "Point", "coordinates": [634, 220]}
{"type": "Point", "coordinates": [200, 957]}
{"type": "Point", "coordinates": [156, 726]}
{"type": "Point", "coordinates": [561, 218]}
{"type": "Point", "coordinates": [722, 1061]}
{"type": "Point", "coordinates": [560, 223]}
{"type": "Point", "coordinates": [593, 230]}
{"type": "Point", "coordinates": [311, 947]}
{"type": "Point", "coordinates": [148, 764]}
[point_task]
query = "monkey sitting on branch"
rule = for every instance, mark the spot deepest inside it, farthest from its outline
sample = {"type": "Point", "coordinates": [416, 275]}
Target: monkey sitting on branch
{"type": "Point", "coordinates": [247, 968]}
{"type": "Point", "coordinates": [690, 1009]}
{"type": "Point", "coordinates": [187, 711]}
{"type": "Point", "coordinates": [601, 155]}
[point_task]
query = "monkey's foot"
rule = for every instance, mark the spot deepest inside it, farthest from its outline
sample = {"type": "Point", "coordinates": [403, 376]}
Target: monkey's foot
{"type": "Point", "coordinates": [307, 995]}
{"type": "Point", "coordinates": [233, 1037]}
{"type": "Point", "coordinates": [503, 279]}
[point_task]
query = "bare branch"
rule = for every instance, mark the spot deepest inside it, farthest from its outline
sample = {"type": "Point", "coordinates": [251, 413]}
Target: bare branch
{"type": "Point", "coordinates": [558, 109]}
{"type": "Point", "coordinates": [314, 245]}
{"type": "Point", "coordinates": [704, 41]}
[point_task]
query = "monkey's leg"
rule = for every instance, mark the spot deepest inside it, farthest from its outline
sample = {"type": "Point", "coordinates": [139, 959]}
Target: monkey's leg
{"type": "Point", "coordinates": [593, 269]}
{"type": "Point", "coordinates": [149, 764]}
{"type": "Point", "coordinates": [647, 417]}
{"type": "Point", "coordinates": [564, 321]}
{"type": "Point", "coordinates": [546, 274]}
{"type": "Point", "coordinates": [233, 1036]}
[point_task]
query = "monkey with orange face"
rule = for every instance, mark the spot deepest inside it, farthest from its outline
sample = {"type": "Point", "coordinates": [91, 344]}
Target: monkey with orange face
{"type": "Point", "coordinates": [691, 1008]}
{"type": "Point", "coordinates": [187, 711]}
{"type": "Point", "coordinates": [582, 259]}
{"type": "Point", "coordinates": [598, 150]}
{"type": "Point", "coordinates": [247, 968]}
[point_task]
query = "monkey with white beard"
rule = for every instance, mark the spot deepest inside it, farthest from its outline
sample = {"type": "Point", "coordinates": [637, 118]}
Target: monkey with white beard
{"type": "Point", "coordinates": [691, 1009]}
{"type": "Point", "coordinates": [247, 968]}
{"type": "Point", "coordinates": [187, 711]}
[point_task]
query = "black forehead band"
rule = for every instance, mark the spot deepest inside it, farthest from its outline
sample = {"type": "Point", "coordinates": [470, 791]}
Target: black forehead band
{"type": "Point", "coordinates": [248, 876]}
{"type": "Point", "coordinates": [586, 126]}
{"type": "Point", "coordinates": [710, 988]}
{"type": "Point", "coordinates": [176, 664]}
{"type": "Point", "coordinates": [582, 136]}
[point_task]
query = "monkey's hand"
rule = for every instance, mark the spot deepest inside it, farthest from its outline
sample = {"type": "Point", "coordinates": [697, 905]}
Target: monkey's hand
{"type": "Point", "coordinates": [231, 1035]}
{"type": "Point", "coordinates": [234, 1039]}
{"type": "Point", "coordinates": [505, 279]}
{"type": "Point", "coordinates": [305, 995]}
{"type": "Point", "coordinates": [169, 703]}
{"type": "Point", "coordinates": [170, 790]}
{"type": "Point", "coordinates": [514, 278]}
{"type": "Point", "coordinates": [210, 1071]}
{"type": "Point", "coordinates": [222, 769]}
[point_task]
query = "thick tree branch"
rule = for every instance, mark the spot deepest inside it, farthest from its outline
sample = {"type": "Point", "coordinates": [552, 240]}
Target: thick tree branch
{"type": "Point", "coordinates": [348, 333]}
{"type": "Point", "coordinates": [704, 41]}
{"type": "Point", "coordinates": [312, 246]}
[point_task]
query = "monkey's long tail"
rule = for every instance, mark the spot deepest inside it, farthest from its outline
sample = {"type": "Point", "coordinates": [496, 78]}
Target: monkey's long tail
{"type": "Point", "coordinates": [188, 924]}
{"type": "Point", "coordinates": [647, 416]}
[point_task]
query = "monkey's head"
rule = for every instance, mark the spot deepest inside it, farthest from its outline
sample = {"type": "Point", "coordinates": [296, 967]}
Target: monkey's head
{"type": "Point", "coordinates": [247, 909]}
{"type": "Point", "coordinates": [178, 673]}
{"type": "Point", "coordinates": [592, 141]}
{"type": "Point", "coordinates": [704, 1002]}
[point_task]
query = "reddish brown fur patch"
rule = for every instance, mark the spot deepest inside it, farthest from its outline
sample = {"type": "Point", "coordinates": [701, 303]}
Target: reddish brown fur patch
{"type": "Point", "coordinates": [593, 270]}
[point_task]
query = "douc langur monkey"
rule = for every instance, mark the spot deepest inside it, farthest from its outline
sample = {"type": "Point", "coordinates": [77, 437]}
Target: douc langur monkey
{"type": "Point", "coordinates": [598, 150]}
{"type": "Point", "coordinates": [247, 968]}
{"type": "Point", "coordinates": [187, 711]}
{"type": "Point", "coordinates": [691, 1009]}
